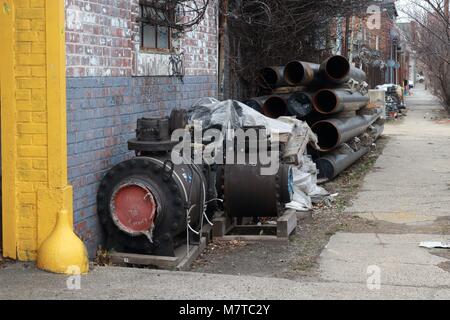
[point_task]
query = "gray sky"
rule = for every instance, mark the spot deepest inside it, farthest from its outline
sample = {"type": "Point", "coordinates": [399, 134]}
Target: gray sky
{"type": "Point", "coordinates": [400, 4]}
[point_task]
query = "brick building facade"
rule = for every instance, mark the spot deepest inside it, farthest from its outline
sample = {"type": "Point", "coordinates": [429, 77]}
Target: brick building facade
{"type": "Point", "coordinates": [111, 82]}
{"type": "Point", "coordinates": [373, 40]}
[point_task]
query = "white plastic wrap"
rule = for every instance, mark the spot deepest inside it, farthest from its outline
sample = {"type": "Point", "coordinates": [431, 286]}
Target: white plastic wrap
{"type": "Point", "coordinates": [231, 114]}
{"type": "Point", "coordinates": [306, 190]}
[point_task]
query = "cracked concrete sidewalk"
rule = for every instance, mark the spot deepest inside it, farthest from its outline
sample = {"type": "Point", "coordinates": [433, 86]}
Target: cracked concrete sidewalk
{"type": "Point", "coordinates": [409, 186]}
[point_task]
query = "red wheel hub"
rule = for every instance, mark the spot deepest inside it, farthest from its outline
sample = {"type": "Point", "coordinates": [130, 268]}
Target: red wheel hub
{"type": "Point", "coordinates": [134, 208]}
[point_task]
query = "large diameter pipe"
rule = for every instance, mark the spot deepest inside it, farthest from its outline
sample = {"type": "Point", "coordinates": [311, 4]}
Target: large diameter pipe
{"type": "Point", "coordinates": [337, 69]}
{"type": "Point", "coordinates": [299, 73]}
{"type": "Point", "coordinates": [331, 133]}
{"type": "Point", "coordinates": [300, 104]}
{"type": "Point", "coordinates": [334, 163]}
{"type": "Point", "coordinates": [271, 106]}
{"type": "Point", "coordinates": [329, 101]}
{"type": "Point", "coordinates": [256, 103]}
{"type": "Point", "coordinates": [273, 77]}
{"type": "Point", "coordinates": [334, 70]}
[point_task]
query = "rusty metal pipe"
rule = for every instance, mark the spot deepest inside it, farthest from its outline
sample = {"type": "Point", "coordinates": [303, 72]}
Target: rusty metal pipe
{"type": "Point", "coordinates": [274, 106]}
{"type": "Point", "coordinates": [297, 104]}
{"type": "Point", "coordinates": [337, 69]}
{"type": "Point", "coordinates": [329, 101]}
{"type": "Point", "coordinates": [334, 132]}
{"type": "Point", "coordinates": [256, 103]}
{"type": "Point", "coordinates": [300, 104]}
{"type": "Point", "coordinates": [334, 163]}
{"type": "Point", "coordinates": [334, 70]}
{"type": "Point", "coordinates": [273, 77]}
{"type": "Point", "coordinates": [299, 73]}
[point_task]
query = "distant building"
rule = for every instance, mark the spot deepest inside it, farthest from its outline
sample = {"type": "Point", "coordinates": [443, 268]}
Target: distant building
{"type": "Point", "coordinates": [376, 49]}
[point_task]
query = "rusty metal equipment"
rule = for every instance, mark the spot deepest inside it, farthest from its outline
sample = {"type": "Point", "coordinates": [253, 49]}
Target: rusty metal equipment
{"type": "Point", "coordinates": [149, 205]}
{"type": "Point", "coordinates": [248, 193]}
{"type": "Point", "coordinates": [334, 132]}
{"type": "Point", "coordinates": [246, 189]}
{"type": "Point", "coordinates": [146, 204]}
{"type": "Point", "coordinates": [332, 101]}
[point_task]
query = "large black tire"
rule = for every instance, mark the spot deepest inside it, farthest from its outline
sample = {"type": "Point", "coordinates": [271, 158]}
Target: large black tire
{"type": "Point", "coordinates": [170, 219]}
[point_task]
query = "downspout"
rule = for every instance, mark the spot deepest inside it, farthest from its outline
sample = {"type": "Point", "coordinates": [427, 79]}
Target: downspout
{"type": "Point", "coordinates": [223, 28]}
{"type": "Point", "coordinates": [346, 36]}
{"type": "Point", "coordinates": [352, 38]}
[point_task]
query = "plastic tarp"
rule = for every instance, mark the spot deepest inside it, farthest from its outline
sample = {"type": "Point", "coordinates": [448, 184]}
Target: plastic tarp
{"type": "Point", "coordinates": [306, 190]}
{"type": "Point", "coordinates": [230, 114]}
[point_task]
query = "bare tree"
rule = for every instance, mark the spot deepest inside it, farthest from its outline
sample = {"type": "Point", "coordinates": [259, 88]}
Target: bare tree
{"type": "Point", "coordinates": [429, 37]}
{"type": "Point", "coordinates": [175, 14]}
{"type": "Point", "coordinates": [272, 32]}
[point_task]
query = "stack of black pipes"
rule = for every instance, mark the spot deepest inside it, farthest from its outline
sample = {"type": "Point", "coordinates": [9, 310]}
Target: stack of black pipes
{"type": "Point", "coordinates": [321, 95]}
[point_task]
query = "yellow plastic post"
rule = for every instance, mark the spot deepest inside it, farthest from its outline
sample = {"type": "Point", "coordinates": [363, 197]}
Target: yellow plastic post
{"type": "Point", "coordinates": [63, 251]}
{"type": "Point", "coordinates": [60, 250]}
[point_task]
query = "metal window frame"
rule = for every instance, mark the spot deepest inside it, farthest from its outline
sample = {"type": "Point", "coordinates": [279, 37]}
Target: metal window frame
{"type": "Point", "coordinates": [156, 49]}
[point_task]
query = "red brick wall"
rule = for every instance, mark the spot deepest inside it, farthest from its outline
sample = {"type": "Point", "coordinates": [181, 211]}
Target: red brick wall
{"type": "Point", "coordinates": [103, 39]}
{"type": "Point", "coordinates": [111, 83]}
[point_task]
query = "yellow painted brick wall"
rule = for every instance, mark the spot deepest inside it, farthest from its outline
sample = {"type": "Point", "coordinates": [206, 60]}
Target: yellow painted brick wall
{"type": "Point", "coordinates": [33, 109]}
{"type": "Point", "coordinates": [31, 104]}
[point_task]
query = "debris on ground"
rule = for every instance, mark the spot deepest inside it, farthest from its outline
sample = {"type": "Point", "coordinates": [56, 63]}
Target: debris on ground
{"type": "Point", "coordinates": [102, 258]}
{"type": "Point", "coordinates": [435, 245]}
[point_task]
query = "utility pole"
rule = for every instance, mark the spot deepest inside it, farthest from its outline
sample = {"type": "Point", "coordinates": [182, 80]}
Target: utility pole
{"type": "Point", "coordinates": [352, 39]}
{"type": "Point", "coordinates": [346, 36]}
{"type": "Point", "coordinates": [446, 8]}
{"type": "Point", "coordinates": [223, 33]}
{"type": "Point", "coordinates": [339, 39]}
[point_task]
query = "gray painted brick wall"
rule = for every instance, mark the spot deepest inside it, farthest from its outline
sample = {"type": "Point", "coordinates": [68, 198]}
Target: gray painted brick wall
{"type": "Point", "coordinates": [101, 117]}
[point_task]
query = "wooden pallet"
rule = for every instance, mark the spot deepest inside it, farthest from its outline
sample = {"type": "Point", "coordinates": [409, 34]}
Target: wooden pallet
{"type": "Point", "coordinates": [182, 260]}
{"type": "Point", "coordinates": [226, 229]}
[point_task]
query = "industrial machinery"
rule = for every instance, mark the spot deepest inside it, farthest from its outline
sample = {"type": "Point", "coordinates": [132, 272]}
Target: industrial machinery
{"type": "Point", "coordinates": [150, 205]}
{"type": "Point", "coordinates": [147, 203]}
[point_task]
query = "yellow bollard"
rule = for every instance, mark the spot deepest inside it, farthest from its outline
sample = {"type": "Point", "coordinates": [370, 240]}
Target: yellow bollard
{"type": "Point", "coordinates": [63, 251]}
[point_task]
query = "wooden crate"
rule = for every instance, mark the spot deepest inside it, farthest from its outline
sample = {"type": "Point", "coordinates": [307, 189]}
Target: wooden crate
{"type": "Point", "coordinates": [224, 228]}
{"type": "Point", "coordinates": [182, 260]}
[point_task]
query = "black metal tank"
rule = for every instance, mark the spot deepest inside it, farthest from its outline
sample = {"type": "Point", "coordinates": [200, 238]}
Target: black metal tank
{"type": "Point", "coordinates": [247, 192]}
{"type": "Point", "coordinates": [146, 203]}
